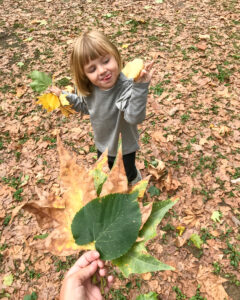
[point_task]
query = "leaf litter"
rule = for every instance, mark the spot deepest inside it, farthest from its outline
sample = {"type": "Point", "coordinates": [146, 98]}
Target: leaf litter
{"type": "Point", "coordinates": [196, 72]}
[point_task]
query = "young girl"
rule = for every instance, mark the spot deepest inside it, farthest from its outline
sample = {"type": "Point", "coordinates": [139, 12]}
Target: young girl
{"type": "Point", "coordinates": [115, 103]}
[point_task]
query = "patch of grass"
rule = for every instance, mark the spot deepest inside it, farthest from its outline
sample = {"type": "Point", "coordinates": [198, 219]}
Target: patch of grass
{"type": "Point", "coordinates": [179, 294]}
{"type": "Point", "coordinates": [6, 220]}
{"type": "Point", "coordinates": [185, 117]}
{"type": "Point", "coordinates": [5, 89]}
{"type": "Point", "coordinates": [157, 89]}
{"type": "Point", "coordinates": [197, 296]}
{"type": "Point", "coordinates": [146, 138]}
{"type": "Point", "coordinates": [217, 268]}
{"type": "Point", "coordinates": [23, 139]}
{"type": "Point", "coordinates": [177, 163]}
{"type": "Point", "coordinates": [205, 235]}
{"type": "Point", "coordinates": [118, 294]}
{"type": "Point", "coordinates": [33, 296]}
{"type": "Point", "coordinates": [234, 254]}
{"type": "Point", "coordinates": [64, 265]}
{"type": "Point", "coordinates": [206, 162]}
{"type": "Point", "coordinates": [14, 182]}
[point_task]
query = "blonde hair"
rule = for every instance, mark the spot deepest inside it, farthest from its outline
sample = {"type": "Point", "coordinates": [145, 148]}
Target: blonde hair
{"type": "Point", "coordinates": [89, 46]}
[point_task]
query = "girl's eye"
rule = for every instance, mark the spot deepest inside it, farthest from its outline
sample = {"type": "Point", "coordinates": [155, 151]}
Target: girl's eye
{"type": "Point", "coordinates": [91, 70]}
{"type": "Point", "coordinates": [106, 61]}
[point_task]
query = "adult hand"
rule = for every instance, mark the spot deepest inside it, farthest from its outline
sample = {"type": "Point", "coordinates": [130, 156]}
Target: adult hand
{"type": "Point", "coordinates": [77, 284]}
{"type": "Point", "coordinates": [146, 73]}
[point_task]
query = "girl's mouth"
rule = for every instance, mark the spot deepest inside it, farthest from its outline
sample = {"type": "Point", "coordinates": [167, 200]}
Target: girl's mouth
{"type": "Point", "coordinates": [106, 78]}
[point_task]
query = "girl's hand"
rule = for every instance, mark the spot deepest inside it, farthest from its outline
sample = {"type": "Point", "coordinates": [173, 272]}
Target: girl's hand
{"type": "Point", "coordinates": [146, 73]}
{"type": "Point", "coordinates": [55, 90]}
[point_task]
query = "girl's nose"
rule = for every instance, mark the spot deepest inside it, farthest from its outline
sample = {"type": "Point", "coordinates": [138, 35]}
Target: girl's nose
{"type": "Point", "coordinates": [101, 69]}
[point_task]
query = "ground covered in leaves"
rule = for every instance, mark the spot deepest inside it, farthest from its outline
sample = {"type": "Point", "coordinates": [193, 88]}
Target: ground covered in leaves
{"type": "Point", "coordinates": [190, 140]}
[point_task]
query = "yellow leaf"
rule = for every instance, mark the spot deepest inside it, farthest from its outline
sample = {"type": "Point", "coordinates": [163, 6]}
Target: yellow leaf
{"type": "Point", "coordinates": [125, 46]}
{"type": "Point", "coordinates": [63, 99]}
{"type": "Point", "coordinates": [8, 280]}
{"type": "Point", "coordinates": [133, 68]}
{"type": "Point", "coordinates": [67, 110]}
{"type": "Point", "coordinates": [69, 88]}
{"type": "Point", "coordinates": [180, 230]}
{"type": "Point", "coordinates": [49, 101]}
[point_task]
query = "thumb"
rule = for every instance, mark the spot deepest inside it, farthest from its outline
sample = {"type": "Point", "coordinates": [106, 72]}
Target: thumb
{"type": "Point", "coordinates": [86, 272]}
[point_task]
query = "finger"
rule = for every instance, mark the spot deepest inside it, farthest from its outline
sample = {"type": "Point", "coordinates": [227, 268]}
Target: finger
{"type": "Point", "coordinates": [83, 261]}
{"type": "Point", "coordinates": [100, 263]}
{"type": "Point", "coordinates": [87, 272]}
{"type": "Point", "coordinates": [102, 272]}
{"type": "Point", "coordinates": [110, 281]}
{"type": "Point", "coordinates": [87, 258]}
{"type": "Point", "coordinates": [142, 74]}
{"type": "Point", "coordinates": [149, 66]}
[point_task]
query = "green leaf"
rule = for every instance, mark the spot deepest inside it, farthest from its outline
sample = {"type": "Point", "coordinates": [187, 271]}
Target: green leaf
{"type": "Point", "coordinates": [195, 238]}
{"type": "Point", "coordinates": [111, 222]}
{"type": "Point", "coordinates": [159, 1]}
{"type": "Point", "coordinates": [153, 191]}
{"type": "Point", "coordinates": [99, 178]}
{"type": "Point", "coordinates": [40, 82]}
{"type": "Point", "coordinates": [139, 261]}
{"type": "Point", "coordinates": [159, 210]}
{"type": "Point", "coordinates": [216, 216]}
{"type": "Point", "coordinates": [149, 296]}
{"type": "Point", "coordinates": [33, 296]}
{"type": "Point", "coordinates": [8, 280]}
{"type": "Point", "coordinates": [40, 236]}
{"type": "Point", "coordinates": [20, 64]}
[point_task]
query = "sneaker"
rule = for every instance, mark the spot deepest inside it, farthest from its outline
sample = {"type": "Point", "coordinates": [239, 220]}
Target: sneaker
{"type": "Point", "coordinates": [137, 179]}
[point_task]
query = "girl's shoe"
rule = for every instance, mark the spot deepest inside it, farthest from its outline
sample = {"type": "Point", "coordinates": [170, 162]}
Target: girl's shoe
{"type": "Point", "coordinates": [137, 179]}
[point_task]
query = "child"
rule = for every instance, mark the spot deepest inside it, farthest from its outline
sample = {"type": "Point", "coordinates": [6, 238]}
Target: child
{"type": "Point", "coordinates": [115, 103]}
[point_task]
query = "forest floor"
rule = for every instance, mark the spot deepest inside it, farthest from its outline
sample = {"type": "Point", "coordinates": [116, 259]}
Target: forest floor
{"type": "Point", "coordinates": [192, 126]}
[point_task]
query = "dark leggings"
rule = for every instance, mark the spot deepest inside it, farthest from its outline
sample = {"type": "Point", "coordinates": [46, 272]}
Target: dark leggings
{"type": "Point", "coordinates": [129, 164]}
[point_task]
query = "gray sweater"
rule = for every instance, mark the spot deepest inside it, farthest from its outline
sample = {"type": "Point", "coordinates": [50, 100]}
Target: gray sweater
{"type": "Point", "coordinates": [114, 111]}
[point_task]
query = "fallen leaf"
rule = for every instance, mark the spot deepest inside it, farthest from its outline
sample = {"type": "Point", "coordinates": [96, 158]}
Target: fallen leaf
{"type": "Point", "coordinates": [216, 216]}
{"type": "Point", "coordinates": [133, 68]}
{"type": "Point", "coordinates": [20, 91]}
{"type": "Point", "coordinates": [49, 101]}
{"type": "Point", "coordinates": [8, 280]}
{"type": "Point", "coordinates": [202, 46]}
{"type": "Point", "coordinates": [158, 171]}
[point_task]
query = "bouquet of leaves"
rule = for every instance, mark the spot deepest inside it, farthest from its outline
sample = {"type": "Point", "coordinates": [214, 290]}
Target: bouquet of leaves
{"type": "Point", "coordinates": [40, 82]}
{"type": "Point", "coordinates": [98, 211]}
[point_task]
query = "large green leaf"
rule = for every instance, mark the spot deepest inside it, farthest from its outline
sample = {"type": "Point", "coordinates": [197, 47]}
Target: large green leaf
{"type": "Point", "coordinates": [41, 81]}
{"type": "Point", "coordinates": [111, 222]}
{"type": "Point", "coordinates": [149, 296]}
{"type": "Point", "coordinates": [159, 210]}
{"type": "Point", "coordinates": [139, 261]}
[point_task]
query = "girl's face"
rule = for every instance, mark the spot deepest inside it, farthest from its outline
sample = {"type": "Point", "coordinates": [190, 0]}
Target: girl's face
{"type": "Point", "coordinates": [103, 71]}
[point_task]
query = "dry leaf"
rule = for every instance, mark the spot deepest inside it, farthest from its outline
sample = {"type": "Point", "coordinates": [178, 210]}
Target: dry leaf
{"type": "Point", "coordinates": [158, 137]}
{"type": "Point", "coordinates": [158, 171]}
{"type": "Point", "coordinates": [55, 212]}
{"type": "Point", "coordinates": [202, 46]}
{"type": "Point", "coordinates": [211, 285]}
{"type": "Point", "coordinates": [133, 68]}
{"type": "Point", "coordinates": [20, 91]}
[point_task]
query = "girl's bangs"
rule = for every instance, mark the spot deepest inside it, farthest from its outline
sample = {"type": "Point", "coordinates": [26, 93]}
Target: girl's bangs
{"type": "Point", "coordinates": [92, 50]}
